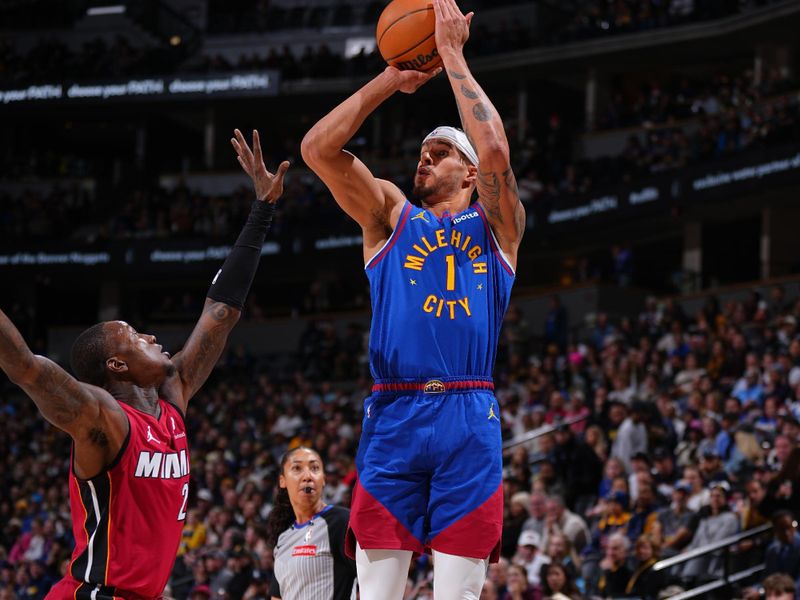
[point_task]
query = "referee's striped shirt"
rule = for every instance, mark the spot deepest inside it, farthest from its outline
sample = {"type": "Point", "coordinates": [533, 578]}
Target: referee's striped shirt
{"type": "Point", "coordinates": [310, 563]}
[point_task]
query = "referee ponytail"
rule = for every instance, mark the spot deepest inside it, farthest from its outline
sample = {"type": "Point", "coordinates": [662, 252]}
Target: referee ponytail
{"type": "Point", "coordinates": [281, 517]}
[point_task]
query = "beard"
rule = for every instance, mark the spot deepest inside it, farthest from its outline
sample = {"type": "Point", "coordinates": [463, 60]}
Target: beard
{"type": "Point", "coordinates": [420, 193]}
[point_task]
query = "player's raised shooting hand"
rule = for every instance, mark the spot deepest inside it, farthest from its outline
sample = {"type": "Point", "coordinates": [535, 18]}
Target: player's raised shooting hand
{"type": "Point", "coordinates": [268, 186]}
{"type": "Point", "coordinates": [410, 81]}
{"type": "Point", "coordinates": [452, 27]}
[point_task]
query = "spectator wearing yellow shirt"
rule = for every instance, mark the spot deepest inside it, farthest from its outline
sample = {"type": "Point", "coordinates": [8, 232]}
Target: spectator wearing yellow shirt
{"type": "Point", "coordinates": [194, 532]}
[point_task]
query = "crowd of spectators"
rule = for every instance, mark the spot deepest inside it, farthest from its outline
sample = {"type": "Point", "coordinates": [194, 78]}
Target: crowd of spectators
{"type": "Point", "coordinates": [662, 101]}
{"type": "Point", "coordinates": [51, 60]}
{"type": "Point", "coordinates": [733, 115]}
{"type": "Point", "coordinates": [577, 20]}
{"type": "Point", "coordinates": [101, 58]}
{"type": "Point", "coordinates": [689, 432]}
{"type": "Point", "coordinates": [730, 118]}
{"type": "Point", "coordinates": [595, 18]}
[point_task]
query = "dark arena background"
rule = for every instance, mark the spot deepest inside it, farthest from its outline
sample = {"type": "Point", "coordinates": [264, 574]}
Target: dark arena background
{"type": "Point", "coordinates": [649, 362]}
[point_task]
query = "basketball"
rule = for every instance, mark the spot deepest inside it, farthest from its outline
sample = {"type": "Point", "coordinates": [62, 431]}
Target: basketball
{"type": "Point", "coordinates": [405, 35]}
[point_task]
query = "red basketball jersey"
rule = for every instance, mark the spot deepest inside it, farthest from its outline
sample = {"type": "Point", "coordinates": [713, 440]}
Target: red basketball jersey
{"type": "Point", "coordinates": [128, 520]}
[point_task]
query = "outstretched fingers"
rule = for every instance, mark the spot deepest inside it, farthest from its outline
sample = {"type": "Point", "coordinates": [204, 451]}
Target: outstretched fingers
{"type": "Point", "coordinates": [242, 148]}
{"type": "Point", "coordinates": [257, 156]}
{"type": "Point", "coordinates": [282, 170]}
{"type": "Point", "coordinates": [245, 165]}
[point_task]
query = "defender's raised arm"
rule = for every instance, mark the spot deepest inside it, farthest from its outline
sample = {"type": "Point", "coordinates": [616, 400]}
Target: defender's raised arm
{"type": "Point", "coordinates": [228, 291]}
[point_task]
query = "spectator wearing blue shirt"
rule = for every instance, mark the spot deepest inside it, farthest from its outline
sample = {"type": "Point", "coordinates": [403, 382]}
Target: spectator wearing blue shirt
{"type": "Point", "coordinates": [749, 389]}
{"type": "Point", "coordinates": [724, 442]}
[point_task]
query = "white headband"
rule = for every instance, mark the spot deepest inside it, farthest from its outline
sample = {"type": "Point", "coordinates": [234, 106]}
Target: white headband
{"type": "Point", "coordinates": [458, 138]}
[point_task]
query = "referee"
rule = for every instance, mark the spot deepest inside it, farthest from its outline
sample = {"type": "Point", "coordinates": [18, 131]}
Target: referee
{"type": "Point", "coordinates": [308, 535]}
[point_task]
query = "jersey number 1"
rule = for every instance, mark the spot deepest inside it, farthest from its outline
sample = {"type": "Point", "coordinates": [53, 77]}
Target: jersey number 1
{"type": "Point", "coordinates": [451, 272]}
{"type": "Point", "coordinates": [185, 494]}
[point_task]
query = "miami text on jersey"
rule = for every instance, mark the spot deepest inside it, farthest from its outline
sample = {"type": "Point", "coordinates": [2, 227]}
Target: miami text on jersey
{"type": "Point", "coordinates": [162, 465]}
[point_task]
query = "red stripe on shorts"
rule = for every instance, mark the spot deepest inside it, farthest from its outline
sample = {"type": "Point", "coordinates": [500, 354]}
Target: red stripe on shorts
{"type": "Point", "coordinates": [477, 534]}
{"type": "Point", "coordinates": [374, 527]}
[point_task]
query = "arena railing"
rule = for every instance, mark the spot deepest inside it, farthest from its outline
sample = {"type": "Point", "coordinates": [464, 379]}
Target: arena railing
{"type": "Point", "coordinates": [728, 546]}
{"type": "Point", "coordinates": [540, 431]}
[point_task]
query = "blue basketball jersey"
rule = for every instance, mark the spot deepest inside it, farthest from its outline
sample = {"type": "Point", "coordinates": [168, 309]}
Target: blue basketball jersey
{"type": "Point", "coordinates": [440, 288]}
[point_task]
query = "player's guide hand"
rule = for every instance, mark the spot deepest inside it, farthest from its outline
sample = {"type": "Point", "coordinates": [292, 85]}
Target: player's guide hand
{"type": "Point", "coordinates": [268, 186]}
{"type": "Point", "coordinates": [409, 81]}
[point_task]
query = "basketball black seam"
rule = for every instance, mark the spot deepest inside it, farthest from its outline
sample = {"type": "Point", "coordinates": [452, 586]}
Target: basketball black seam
{"type": "Point", "coordinates": [393, 23]}
{"type": "Point", "coordinates": [412, 47]}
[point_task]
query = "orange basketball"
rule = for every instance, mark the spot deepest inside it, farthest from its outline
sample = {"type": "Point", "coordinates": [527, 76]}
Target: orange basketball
{"type": "Point", "coordinates": [406, 37]}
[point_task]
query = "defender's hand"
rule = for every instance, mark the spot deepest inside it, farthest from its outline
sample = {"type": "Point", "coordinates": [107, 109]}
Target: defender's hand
{"type": "Point", "coordinates": [452, 27]}
{"type": "Point", "coordinates": [268, 187]}
{"type": "Point", "coordinates": [410, 81]}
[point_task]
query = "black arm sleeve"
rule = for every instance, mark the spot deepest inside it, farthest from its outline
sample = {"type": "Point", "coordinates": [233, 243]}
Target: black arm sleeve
{"type": "Point", "coordinates": [233, 280]}
{"type": "Point", "coordinates": [274, 588]}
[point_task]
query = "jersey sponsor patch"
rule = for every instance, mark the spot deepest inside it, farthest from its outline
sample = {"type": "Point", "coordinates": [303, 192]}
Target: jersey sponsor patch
{"type": "Point", "coordinates": [307, 550]}
{"type": "Point", "coordinates": [464, 217]}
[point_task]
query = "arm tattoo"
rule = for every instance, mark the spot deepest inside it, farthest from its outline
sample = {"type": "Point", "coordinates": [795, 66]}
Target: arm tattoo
{"type": "Point", "coordinates": [481, 112]}
{"type": "Point", "coordinates": [489, 193]}
{"type": "Point", "coordinates": [56, 393]}
{"type": "Point", "coordinates": [519, 210]}
{"type": "Point", "coordinates": [471, 94]}
{"type": "Point", "coordinates": [204, 347]}
{"type": "Point", "coordinates": [60, 398]}
{"type": "Point", "coordinates": [511, 182]}
{"type": "Point", "coordinates": [519, 220]}
{"type": "Point", "coordinates": [456, 75]}
{"type": "Point", "coordinates": [221, 311]}
{"type": "Point", "coordinates": [98, 437]}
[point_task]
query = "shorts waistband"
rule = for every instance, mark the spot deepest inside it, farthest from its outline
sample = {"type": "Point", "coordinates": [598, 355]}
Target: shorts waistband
{"type": "Point", "coordinates": [434, 386]}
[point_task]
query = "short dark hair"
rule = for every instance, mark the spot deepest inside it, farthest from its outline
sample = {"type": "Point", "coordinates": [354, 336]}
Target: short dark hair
{"type": "Point", "coordinates": [89, 354]}
{"type": "Point", "coordinates": [779, 583]}
{"type": "Point", "coordinates": [782, 514]}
